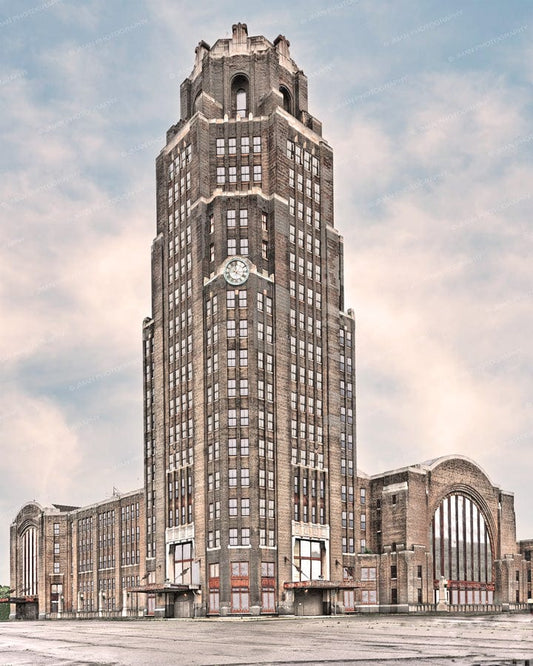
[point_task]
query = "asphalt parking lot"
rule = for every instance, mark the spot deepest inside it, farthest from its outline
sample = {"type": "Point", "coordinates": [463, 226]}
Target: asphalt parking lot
{"type": "Point", "coordinates": [487, 640]}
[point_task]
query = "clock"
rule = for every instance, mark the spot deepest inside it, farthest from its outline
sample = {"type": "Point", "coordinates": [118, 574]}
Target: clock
{"type": "Point", "coordinates": [236, 271]}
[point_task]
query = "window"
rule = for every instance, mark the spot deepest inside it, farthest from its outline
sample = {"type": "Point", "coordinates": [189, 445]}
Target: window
{"type": "Point", "coordinates": [233, 536]}
{"type": "Point", "coordinates": [291, 206]}
{"type": "Point", "coordinates": [257, 144]}
{"type": "Point", "coordinates": [290, 149]}
{"type": "Point", "coordinates": [214, 539]}
{"type": "Point", "coordinates": [287, 105]}
{"type": "Point", "coordinates": [245, 145]}
{"type": "Point", "coordinates": [230, 218]}
{"type": "Point", "coordinates": [239, 88]}
{"type": "Point", "coordinates": [243, 217]}
{"type": "Point", "coordinates": [307, 558]}
{"type": "Point", "coordinates": [462, 548]}
{"type": "Point", "coordinates": [232, 507]}
{"type": "Point", "coordinates": [368, 573]}
{"type": "Point", "coordinates": [245, 506]}
{"type": "Point", "coordinates": [232, 246]}
{"type": "Point", "coordinates": [221, 175]}
{"type": "Point", "coordinates": [363, 495]}
{"type": "Point", "coordinates": [245, 477]}
{"type": "Point", "coordinates": [267, 587]}
{"type": "Point", "coordinates": [232, 388]}
{"type": "Point", "coordinates": [239, 587]}
{"type": "Point", "coordinates": [349, 600]}
{"type": "Point", "coordinates": [257, 173]}
{"type": "Point", "coordinates": [241, 103]}
{"type": "Point", "coordinates": [220, 147]}
{"type": "Point", "coordinates": [245, 174]}
{"type": "Point", "coordinates": [214, 582]}
{"type": "Point", "coordinates": [183, 563]}
{"type": "Point", "coordinates": [394, 571]}
{"type": "Point", "coordinates": [368, 596]}
{"type": "Point", "coordinates": [232, 145]}
{"type": "Point", "coordinates": [419, 571]}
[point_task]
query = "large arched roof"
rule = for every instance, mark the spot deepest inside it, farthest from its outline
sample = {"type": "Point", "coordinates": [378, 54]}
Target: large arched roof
{"type": "Point", "coordinates": [435, 462]}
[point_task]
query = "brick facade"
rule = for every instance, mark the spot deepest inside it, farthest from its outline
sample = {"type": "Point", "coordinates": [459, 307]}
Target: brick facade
{"type": "Point", "coordinates": [82, 562]}
{"type": "Point", "coordinates": [481, 573]}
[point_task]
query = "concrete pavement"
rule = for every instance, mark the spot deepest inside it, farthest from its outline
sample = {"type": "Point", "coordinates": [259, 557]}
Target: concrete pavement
{"type": "Point", "coordinates": [386, 640]}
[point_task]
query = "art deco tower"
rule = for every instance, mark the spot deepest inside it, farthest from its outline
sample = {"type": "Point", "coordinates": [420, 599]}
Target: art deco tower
{"type": "Point", "coordinates": [249, 356]}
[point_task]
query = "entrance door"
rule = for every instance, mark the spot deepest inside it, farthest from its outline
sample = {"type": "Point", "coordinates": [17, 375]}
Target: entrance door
{"type": "Point", "coordinates": [27, 611]}
{"type": "Point", "coordinates": [182, 607]}
{"type": "Point", "coordinates": [308, 602]}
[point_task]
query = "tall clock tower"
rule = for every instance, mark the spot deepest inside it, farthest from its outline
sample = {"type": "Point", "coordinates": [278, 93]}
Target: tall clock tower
{"type": "Point", "coordinates": [249, 355]}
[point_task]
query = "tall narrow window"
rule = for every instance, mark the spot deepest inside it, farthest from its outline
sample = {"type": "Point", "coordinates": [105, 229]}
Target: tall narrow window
{"type": "Point", "coordinates": [239, 96]}
{"type": "Point", "coordinates": [287, 102]}
{"type": "Point", "coordinates": [241, 102]}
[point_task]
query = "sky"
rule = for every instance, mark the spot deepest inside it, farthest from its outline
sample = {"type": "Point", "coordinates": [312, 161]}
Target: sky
{"type": "Point", "coordinates": [428, 108]}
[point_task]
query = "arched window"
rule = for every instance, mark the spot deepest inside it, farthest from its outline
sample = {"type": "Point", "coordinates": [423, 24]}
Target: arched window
{"type": "Point", "coordinates": [29, 562]}
{"type": "Point", "coordinates": [197, 100]}
{"type": "Point", "coordinates": [239, 96]}
{"type": "Point", "coordinates": [462, 550]}
{"type": "Point", "coordinates": [287, 101]}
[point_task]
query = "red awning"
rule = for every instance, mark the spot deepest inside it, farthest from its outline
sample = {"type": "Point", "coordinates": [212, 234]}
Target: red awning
{"type": "Point", "coordinates": [151, 588]}
{"type": "Point", "coordinates": [320, 585]}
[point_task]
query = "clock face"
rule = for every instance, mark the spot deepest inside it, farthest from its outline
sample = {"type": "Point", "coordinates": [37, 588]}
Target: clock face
{"type": "Point", "coordinates": [236, 271]}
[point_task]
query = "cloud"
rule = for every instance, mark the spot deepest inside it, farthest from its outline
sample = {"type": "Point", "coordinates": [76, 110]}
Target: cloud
{"type": "Point", "coordinates": [434, 208]}
{"type": "Point", "coordinates": [43, 451]}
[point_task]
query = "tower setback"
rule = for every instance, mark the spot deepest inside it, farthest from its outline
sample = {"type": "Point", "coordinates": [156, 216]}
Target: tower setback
{"type": "Point", "coordinates": [249, 356]}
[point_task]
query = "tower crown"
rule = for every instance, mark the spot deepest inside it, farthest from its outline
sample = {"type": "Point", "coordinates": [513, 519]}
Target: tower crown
{"type": "Point", "coordinates": [245, 75]}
